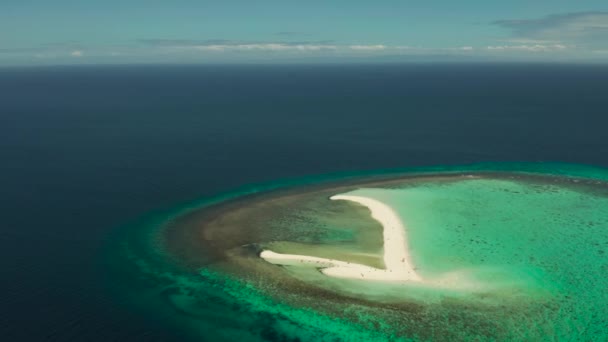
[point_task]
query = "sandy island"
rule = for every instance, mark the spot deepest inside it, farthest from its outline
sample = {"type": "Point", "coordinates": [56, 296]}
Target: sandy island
{"type": "Point", "coordinates": [397, 260]}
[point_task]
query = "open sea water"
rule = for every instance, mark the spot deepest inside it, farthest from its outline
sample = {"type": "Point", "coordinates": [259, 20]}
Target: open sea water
{"type": "Point", "coordinates": [84, 150]}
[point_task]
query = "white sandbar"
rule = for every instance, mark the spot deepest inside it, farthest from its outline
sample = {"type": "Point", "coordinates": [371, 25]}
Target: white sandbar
{"type": "Point", "coordinates": [397, 260]}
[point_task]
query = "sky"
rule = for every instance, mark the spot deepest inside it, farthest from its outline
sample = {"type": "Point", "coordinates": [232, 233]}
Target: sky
{"type": "Point", "coordinates": [43, 32]}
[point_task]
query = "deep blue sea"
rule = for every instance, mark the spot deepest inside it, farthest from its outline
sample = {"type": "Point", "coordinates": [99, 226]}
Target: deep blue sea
{"type": "Point", "coordinates": [84, 150]}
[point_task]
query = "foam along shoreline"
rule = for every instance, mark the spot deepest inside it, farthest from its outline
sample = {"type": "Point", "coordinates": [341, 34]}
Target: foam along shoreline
{"type": "Point", "coordinates": [397, 260]}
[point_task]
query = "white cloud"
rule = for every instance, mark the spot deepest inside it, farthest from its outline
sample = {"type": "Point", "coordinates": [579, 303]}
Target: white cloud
{"type": "Point", "coordinates": [526, 41]}
{"type": "Point", "coordinates": [528, 48]}
{"type": "Point", "coordinates": [312, 47]}
{"type": "Point", "coordinates": [217, 48]}
{"type": "Point", "coordinates": [315, 47]}
{"type": "Point", "coordinates": [378, 47]}
{"type": "Point", "coordinates": [235, 50]}
{"type": "Point", "coordinates": [260, 47]}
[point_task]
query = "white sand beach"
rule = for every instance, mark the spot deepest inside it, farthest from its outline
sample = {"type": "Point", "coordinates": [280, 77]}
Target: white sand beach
{"type": "Point", "coordinates": [397, 260]}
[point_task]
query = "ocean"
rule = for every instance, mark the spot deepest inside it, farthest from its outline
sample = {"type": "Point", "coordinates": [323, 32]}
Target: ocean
{"type": "Point", "coordinates": [87, 149]}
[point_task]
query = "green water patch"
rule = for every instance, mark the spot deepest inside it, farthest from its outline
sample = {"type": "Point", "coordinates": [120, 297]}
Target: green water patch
{"type": "Point", "coordinates": [536, 237]}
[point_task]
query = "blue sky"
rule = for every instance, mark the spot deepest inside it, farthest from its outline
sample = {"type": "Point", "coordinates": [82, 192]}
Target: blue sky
{"type": "Point", "coordinates": [40, 32]}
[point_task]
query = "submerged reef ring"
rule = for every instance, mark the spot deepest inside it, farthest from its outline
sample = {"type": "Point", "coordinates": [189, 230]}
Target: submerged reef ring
{"type": "Point", "coordinates": [475, 253]}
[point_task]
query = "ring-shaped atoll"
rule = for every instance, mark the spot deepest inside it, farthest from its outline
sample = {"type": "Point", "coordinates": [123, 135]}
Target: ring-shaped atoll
{"type": "Point", "coordinates": [483, 252]}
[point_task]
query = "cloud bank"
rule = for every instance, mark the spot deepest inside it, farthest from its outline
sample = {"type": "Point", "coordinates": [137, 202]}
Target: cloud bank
{"type": "Point", "coordinates": [581, 28]}
{"type": "Point", "coordinates": [561, 37]}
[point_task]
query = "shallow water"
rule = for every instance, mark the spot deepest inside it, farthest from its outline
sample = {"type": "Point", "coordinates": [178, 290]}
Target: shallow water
{"type": "Point", "coordinates": [533, 244]}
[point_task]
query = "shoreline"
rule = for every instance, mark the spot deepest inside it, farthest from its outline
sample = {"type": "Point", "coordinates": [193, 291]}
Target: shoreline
{"type": "Point", "coordinates": [398, 266]}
